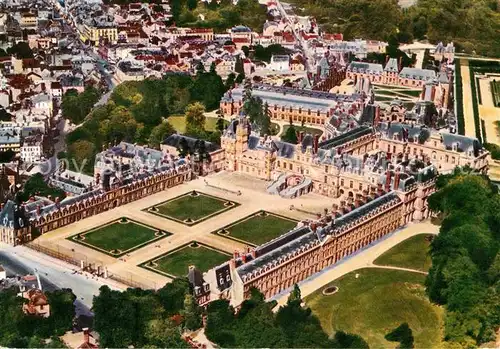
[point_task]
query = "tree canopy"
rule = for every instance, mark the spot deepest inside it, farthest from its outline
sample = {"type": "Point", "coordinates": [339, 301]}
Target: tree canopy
{"type": "Point", "coordinates": [255, 325]}
{"type": "Point", "coordinates": [36, 185]}
{"type": "Point", "coordinates": [146, 318]}
{"type": "Point", "coordinates": [473, 25]}
{"type": "Point", "coordinates": [19, 330]}
{"type": "Point", "coordinates": [464, 275]}
{"type": "Point", "coordinates": [76, 106]}
{"type": "Point", "coordinates": [136, 112]}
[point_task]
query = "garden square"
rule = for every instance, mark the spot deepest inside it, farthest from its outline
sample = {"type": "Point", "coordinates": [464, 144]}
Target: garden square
{"type": "Point", "coordinates": [258, 228]}
{"type": "Point", "coordinates": [192, 208]}
{"type": "Point", "coordinates": [176, 263]}
{"type": "Point", "coordinates": [119, 237]}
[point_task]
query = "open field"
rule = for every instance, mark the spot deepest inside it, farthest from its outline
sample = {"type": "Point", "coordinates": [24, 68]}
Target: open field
{"type": "Point", "coordinates": [178, 122]}
{"type": "Point", "coordinates": [192, 207]}
{"type": "Point", "coordinates": [377, 301]}
{"type": "Point", "coordinates": [177, 262]}
{"type": "Point", "coordinates": [412, 253]}
{"type": "Point", "coordinates": [119, 237]}
{"type": "Point", "coordinates": [258, 228]}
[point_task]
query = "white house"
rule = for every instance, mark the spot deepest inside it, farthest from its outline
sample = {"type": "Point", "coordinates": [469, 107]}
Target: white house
{"type": "Point", "coordinates": [279, 62]}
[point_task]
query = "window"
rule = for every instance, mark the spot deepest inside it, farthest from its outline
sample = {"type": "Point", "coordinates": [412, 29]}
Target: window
{"type": "Point", "coordinates": [326, 179]}
{"type": "Point", "coordinates": [342, 182]}
{"type": "Point", "coordinates": [290, 166]}
{"type": "Point", "coordinates": [360, 186]}
{"type": "Point", "coordinates": [351, 184]}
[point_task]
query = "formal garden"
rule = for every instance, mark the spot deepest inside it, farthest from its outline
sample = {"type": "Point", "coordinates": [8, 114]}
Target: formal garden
{"type": "Point", "coordinates": [192, 208]}
{"type": "Point", "coordinates": [176, 263]}
{"type": "Point", "coordinates": [412, 253]}
{"type": "Point", "coordinates": [372, 302]}
{"type": "Point", "coordinates": [119, 237]}
{"type": "Point", "coordinates": [258, 228]}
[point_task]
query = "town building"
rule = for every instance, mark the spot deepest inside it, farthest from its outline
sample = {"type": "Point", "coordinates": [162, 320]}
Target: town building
{"type": "Point", "coordinates": [314, 108]}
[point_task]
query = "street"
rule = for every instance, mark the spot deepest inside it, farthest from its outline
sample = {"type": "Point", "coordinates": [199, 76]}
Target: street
{"type": "Point", "coordinates": [54, 274]}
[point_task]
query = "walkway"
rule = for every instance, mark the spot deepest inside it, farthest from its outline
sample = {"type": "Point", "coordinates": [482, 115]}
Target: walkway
{"type": "Point", "coordinates": [361, 259]}
{"type": "Point", "coordinates": [396, 268]}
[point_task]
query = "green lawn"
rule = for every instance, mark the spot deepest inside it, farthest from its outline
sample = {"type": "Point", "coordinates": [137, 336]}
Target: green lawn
{"type": "Point", "coordinates": [257, 229]}
{"type": "Point", "coordinates": [307, 130]}
{"type": "Point", "coordinates": [118, 236]}
{"type": "Point", "coordinates": [412, 253]}
{"type": "Point", "coordinates": [177, 263]}
{"type": "Point", "coordinates": [375, 303]}
{"type": "Point", "coordinates": [179, 123]}
{"type": "Point", "coordinates": [191, 208]}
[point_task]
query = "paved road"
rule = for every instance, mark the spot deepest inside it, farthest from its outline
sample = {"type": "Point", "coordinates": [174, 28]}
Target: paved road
{"type": "Point", "coordinates": [55, 274]}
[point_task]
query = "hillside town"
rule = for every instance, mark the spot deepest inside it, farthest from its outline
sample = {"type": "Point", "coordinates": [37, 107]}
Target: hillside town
{"type": "Point", "coordinates": [175, 171]}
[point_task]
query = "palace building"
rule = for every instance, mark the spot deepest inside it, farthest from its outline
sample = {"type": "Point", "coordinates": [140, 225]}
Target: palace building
{"type": "Point", "coordinates": [379, 178]}
{"type": "Point", "coordinates": [314, 108]}
{"type": "Point", "coordinates": [123, 174]}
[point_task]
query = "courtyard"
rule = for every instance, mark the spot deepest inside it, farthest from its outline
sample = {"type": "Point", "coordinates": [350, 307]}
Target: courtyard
{"type": "Point", "coordinates": [258, 228]}
{"type": "Point", "coordinates": [177, 262]}
{"type": "Point", "coordinates": [192, 208]}
{"type": "Point", "coordinates": [119, 237]}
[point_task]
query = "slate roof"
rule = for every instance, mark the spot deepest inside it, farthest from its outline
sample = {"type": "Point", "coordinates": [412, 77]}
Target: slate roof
{"type": "Point", "coordinates": [173, 141]}
{"type": "Point", "coordinates": [303, 238]}
{"type": "Point", "coordinates": [417, 74]}
{"type": "Point", "coordinates": [392, 65]}
{"type": "Point", "coordinates": [346, 137]}
{"type": "Point", "coordinates": [362, 67]}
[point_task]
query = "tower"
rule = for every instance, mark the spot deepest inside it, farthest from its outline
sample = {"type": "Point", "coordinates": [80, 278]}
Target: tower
{"type": "Point", "coordinates": [242, 134]}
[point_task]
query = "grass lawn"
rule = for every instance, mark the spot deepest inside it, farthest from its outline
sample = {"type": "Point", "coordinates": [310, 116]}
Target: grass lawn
{"type": "Point", "coordinates": [375, 303]}
{"type": "Point", "coordinates": [122, 237]}
{"type": "Point", "coordinates": [176, 263]}
{"type": "Point", "coordinates": [412, 253]}
{"type": "Point", "coordinates": [307, 130]}
{"type": "Point", "coordinates": [258, 229]}
{"type": "Point", "coordinates": [192, 207]}
{"type": "Point", "coordinates": [179, 123]}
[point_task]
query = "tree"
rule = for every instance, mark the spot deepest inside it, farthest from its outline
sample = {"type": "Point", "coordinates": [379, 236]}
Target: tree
{"type": "Point", "coordinates": [347, 340]}
{"type": "Point", "coordinates": [212, 68]}
{"type": "Point", "coordinates": [220, 124]}
{"type": "Point", "coordinates": [290, 135]}
{"type": "Point", "coordinates": [229, 84]}
{"type": "Point", "coordinates": [200, 68]}
{"type": "Point", "coordinates": [36, 185]}
{"type": "Point", "coordinates": [21, 50]}
{"type": "Point", "coordinates": [191, 313]}
{"type": "Point", "coordinates": [240, 78]}
{"type": "Point", "coordinates": [191, 4]}
{"type": "Point", "coordinates": [195, 117]}
{"type": "Point", "coordinates": [238, 66]}
{"type": "Point", "coordinates": [403, 335]}
{"type": "Point", "coordinates": [159, 133]}
{"type": "Point", "coordinates": [81, 153]}
{"type": "Point", "coordinates": [295, 295]}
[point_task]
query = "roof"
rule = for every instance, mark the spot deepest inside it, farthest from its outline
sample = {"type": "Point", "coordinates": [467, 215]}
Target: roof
{"type": "Point", "coordinates": [417, 74]}
{"type": "Point", "coordinates": [362, 67]}
{"type": "Point", "coordinates": [173, 141]}
{"type": "Point", "coordinates": [346, 137]}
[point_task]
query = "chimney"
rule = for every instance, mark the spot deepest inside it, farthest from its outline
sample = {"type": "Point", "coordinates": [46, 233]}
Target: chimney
{"type": "Point", "coordinates": [315, 143]}
{"type": "Point", "coordinates": [38, 210]}
{"type": "Point", "coordinates": [376, 120]}
{"type": "Point", "coordinates": [244, 258]}
{"type": "Point", "coordinates": [388, 177]}
{"type": "Point", "coordinates": [301, 136]}
{"type": "Point", "coordinates": [86, 335]}
{"type": "Point", "coordinates": [313, 226]}
{"type": "Point", "coordinates": [380, 191]}
{"type": "Point", "coordinates": [236, 254]}
{"type": "Point", "coordinates": [396, 180]}
{"type": "Point", "coordinates": [254, 254]}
